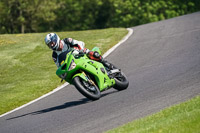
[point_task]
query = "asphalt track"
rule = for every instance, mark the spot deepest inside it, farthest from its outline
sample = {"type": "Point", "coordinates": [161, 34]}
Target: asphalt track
{"type": "Point", "coordinates": [162, 63]}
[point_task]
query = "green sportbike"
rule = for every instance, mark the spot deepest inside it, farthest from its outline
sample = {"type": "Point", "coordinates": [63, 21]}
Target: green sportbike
{"type": "Point", "coordinates": [88, 76]}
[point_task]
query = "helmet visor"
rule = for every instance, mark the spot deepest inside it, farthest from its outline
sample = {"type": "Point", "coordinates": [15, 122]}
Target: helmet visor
{"type": "Point", "coordinates": [52, 43]}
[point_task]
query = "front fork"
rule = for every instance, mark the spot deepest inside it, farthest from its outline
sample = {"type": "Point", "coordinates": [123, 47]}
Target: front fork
{"type": "Point", "coordinates": [84, 77]}
{"type": "Point", "coordinates": [88, 78]}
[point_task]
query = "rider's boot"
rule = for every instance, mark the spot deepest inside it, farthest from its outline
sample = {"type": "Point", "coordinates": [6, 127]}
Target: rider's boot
{"type": "Point", "coordinates": [96, 56]}
{"type": "Point", "coordinates": [107, 64]}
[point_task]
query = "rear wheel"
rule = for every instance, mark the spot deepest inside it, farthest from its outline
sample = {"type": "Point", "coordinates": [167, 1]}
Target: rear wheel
{"type": "Point", "coordinates": [121, 82]}
{"type": "Point", "coordinates": [91, 91]}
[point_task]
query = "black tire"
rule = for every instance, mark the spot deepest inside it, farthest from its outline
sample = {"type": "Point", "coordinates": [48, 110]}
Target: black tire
{"type": "Point", "coordinates": [121, 82]}
{"type": "Point", "coordinates": [79, 83]}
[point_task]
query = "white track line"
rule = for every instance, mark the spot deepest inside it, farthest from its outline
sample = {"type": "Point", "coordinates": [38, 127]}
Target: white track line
{"type": "Point", "coordinates": [119, 43]}
{"type": "Point", "coordinates": [65, 84]}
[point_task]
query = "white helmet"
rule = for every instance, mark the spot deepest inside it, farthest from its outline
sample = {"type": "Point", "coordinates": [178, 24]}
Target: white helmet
{"type": "Point", "coordinates": [52, 40]}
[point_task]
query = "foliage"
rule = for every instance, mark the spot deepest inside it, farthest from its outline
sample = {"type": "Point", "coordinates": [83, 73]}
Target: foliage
{"type": "Point", "coordinates": [60, 15]}
{"type": "Point", "coordinates": [26, 15]}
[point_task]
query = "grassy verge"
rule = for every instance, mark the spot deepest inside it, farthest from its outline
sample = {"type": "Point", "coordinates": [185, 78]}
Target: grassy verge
{"type": "Point", "coordinates": [27, 69]}
{"type": "Point", "coordinates": [182, 118]}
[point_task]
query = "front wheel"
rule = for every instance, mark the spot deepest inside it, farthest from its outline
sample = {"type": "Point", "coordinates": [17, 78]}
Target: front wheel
{"type": "Point", "coordinates": [87, 89]}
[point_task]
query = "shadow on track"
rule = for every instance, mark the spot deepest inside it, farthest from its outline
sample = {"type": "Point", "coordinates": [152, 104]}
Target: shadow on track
{"type": "Point", "coordinates": [63, 106]}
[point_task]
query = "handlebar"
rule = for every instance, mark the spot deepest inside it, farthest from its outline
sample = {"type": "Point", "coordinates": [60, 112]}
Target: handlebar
{"type": "Point", "coordinates": [79, 55]}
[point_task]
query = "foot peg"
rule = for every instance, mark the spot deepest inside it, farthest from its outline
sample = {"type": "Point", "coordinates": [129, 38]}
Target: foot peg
{"type": "Point", "coordinates": [115, 71]}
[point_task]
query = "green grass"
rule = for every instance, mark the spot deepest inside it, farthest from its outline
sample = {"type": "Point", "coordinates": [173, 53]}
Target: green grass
{"type": "Point", "coordinates": [27, 69]}
{"type": "Point", "coordinates": [181, 118]}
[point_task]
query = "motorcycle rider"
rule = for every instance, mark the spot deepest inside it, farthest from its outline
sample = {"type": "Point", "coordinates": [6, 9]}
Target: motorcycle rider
{"type": "Point", "coordinates": [53, 41]}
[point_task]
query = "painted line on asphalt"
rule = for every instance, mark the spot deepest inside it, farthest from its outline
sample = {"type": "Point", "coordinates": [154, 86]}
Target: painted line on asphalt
{"type": "Point", "coordinates": [119, 43]}
{"type": "Point", "coordinates": [65, 84]}
{"type": "Point", "coordinates": [45, 95]}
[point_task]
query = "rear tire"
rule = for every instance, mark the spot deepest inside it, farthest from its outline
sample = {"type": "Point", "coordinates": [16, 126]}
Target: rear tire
{"type": "Point", "coordinates": [121, 82]}
{"type": "Point", "coordinates": [92, 92]}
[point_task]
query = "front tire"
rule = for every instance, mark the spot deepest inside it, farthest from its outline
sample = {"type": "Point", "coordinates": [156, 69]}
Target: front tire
{"type": "Point", "coordinates": [92, 92]}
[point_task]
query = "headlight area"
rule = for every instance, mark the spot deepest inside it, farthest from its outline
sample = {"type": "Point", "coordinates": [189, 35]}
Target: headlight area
{"type": "Point", "coordinates": [72, 65]}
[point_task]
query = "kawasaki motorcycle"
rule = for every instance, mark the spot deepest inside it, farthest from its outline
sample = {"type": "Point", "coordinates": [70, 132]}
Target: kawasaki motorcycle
{"type": "Point", "coordinates": [88, 76]}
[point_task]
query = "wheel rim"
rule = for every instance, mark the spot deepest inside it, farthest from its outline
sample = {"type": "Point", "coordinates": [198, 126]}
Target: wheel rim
{"type": "Point", "coordinates": [90, 88]}
{"type": "Point", "coordinates": [120, 77]}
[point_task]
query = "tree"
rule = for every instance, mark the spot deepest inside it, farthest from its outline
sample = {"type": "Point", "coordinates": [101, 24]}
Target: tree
{"type": "Point", "coordinates": [22, 16]}
{"type": "Point", "coordinates": [26, 15]}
